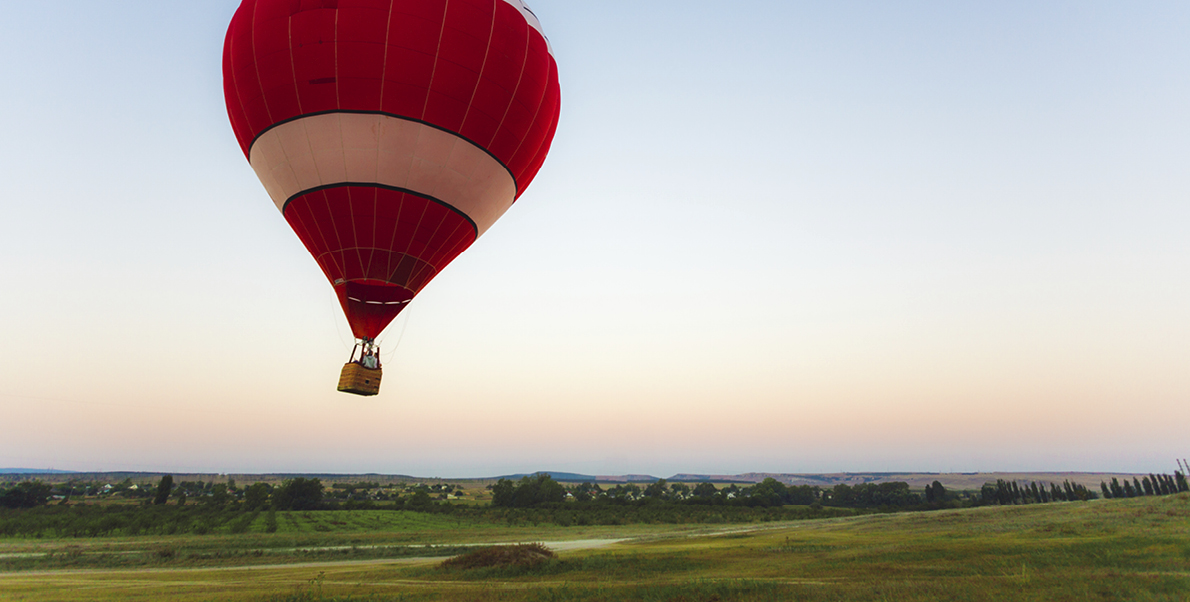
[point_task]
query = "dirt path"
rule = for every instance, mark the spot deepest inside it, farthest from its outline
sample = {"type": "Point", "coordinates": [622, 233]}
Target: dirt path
{"type": "Point", "coordinates": [559, 546]}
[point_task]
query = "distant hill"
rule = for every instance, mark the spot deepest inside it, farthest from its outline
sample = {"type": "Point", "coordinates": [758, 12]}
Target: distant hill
{"type": "Point", "coordinates": [572, 477]}
{"type": "Point", "coordinates": [34, 471]}
{"type": "Point", "coordinates": [820, 480]}
{"type": "Point", "coordinates": [627, 478]}
{"type": "Point", "coordinates": [561, 477]}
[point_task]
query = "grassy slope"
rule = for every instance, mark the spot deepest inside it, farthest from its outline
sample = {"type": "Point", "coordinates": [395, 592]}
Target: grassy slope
{"type": "Point", "coordinates": [1108, 550]}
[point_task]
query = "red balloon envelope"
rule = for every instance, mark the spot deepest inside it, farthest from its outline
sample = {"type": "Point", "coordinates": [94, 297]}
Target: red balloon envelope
{"type": "Point", "coordinates": [390, 133]}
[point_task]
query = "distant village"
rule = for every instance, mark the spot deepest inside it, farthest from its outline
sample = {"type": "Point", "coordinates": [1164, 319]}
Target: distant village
{"type": "Point", "coordinates": [220, 492]}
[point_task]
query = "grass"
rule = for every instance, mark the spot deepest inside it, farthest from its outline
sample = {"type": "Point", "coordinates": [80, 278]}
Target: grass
{"type": "Point", "coordinates": [1111, 550]}
{"type": "Point", "coordinates": [307, 537]}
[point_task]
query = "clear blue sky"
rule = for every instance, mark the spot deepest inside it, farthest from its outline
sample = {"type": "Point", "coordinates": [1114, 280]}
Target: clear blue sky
{"type": "Point", "coordinates": [771, 236]}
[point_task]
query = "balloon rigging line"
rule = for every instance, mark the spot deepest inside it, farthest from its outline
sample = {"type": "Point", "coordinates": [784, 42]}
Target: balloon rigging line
{"type": "Point", "coordinates": [393, 351]}
{"type": "Point", "coordinates": [382, 342]}
{"type": "Point", "coordinates": [338, 325]}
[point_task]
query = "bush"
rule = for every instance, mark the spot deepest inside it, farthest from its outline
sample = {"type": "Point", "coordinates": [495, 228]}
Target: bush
{"type": "Point", "coordinates": [28, 494]}
{"type": "Point", "coordinates": [520, 556]}
{"type": "Point", "coordinates": [298, 494]}
{"type": "Point", "coordinates": [539, 490]}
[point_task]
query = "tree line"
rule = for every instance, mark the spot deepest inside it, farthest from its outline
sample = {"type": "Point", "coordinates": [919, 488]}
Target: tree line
{"type": "Point", "coordinates": [541, 490]}
{"type": "Point", "coordinates": [1007, 493]}
{"type": "Point", "coordinates": [1162, 484]}
{"type": "Point", "coordinates": [293, 494]}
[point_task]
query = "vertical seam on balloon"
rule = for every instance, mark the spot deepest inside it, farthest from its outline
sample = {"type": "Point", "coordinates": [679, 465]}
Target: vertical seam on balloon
{"type": "Point", "coordinates": [437, 52]}
{"type": "Point", "coordinates": [350, 200]}
{"type": "Point", "coordinates": [511, 101]}
{"type": "Point", "coordinates": [342, 146]}
{"type": "Point", "coordinates": [430, 240]}
{"type": "Point", "coordinates": [289, 160]}
{"type": "Point", "coordinates": [375, 219]}
{"type": "Point", "coordinates": [256, 63]}
{"type": "Point", "coordinates": [420, 219]}
{"type": "Point", "coordinates": [326, 200]}
{"type": "Point", "coordinates": [313, 156]}
{"type": "Point", "coordinates": [450, 252]}
{"type": "Point", "coordinates": [342, 141]}
{"type": "Point", "coordinates": [289, 164]}
{"type": "Point", "coordinates": [355, 233]}
{"type": "Point", "coordinates": [371, 249]}
{"type": "Point", "coordinates": [413, 156]}
{"type": "Point", "coordinates": [415, 275]}
{"type": "Point", "coordinates": [378, 130]}
{"type": "Point", "coordinates": [320, 258]}
{"type": "Point", "coordinates": [325, 245]}
{"type": "Point", "coordinates": [376, 194]}
{"type": "Point", "coordinates": [487, 51]}
{"type": "Point", "coordinates": [464, 244]}
{"type": "Point", "coordinates": [297, 91]}
{"type": "Point", "coordinates": [547, 139]}
{"type": "Point", "coordinates": [235, 86]}
{"type": "Point", "coordinates": [544, 92]}
{"type": "Point", "coordinates": [396, 226]}
{"type": "Point", "coordinates": [435, 258]}
{"type": "Point", "coordinates": [335, 50]}
{"type": "Point", "coordinates": [388, 31]}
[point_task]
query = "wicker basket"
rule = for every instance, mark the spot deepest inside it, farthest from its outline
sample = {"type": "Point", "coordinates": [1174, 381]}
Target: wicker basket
{"type": "Point", "coordinates": [359, 380]}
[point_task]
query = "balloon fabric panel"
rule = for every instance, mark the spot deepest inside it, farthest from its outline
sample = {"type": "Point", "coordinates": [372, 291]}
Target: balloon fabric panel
{"type": "Point", "coordinates": [436, 62]}
{"type": "Point", "coordinates": [378, 238]}
{"type": "Point", "coordinates": [337, 223]}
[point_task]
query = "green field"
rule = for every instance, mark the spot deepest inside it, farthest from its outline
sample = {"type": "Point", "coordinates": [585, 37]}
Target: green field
{"type": "Point", "coordinates": [1133, 549]}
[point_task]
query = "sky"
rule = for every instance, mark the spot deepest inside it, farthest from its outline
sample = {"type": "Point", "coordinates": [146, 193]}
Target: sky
{"type": "Point", "coordinates": [771, 236]}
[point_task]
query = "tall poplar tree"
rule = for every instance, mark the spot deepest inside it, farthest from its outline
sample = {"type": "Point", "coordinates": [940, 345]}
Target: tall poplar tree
{"type": "Point", "coordinates": [164, 488]}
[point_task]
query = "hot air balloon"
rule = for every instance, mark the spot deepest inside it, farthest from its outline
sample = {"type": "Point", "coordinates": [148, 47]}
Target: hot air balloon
{"type": "Point", "coordinates": [390, 134]}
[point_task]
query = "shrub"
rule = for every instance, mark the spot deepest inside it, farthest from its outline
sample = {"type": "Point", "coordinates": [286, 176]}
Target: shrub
{"type": "Point", "coordinates": [521, 556]}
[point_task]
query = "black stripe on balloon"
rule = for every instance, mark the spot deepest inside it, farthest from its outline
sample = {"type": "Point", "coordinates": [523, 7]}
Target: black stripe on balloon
{"type": "Point", "coordinates": [384, 187]}
{"type": "Point", "coordinates": [394, 116]}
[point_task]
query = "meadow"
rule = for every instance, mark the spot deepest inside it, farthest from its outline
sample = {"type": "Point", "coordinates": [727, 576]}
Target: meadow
{"type": "Point", "coordinates": [1126, 549]}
